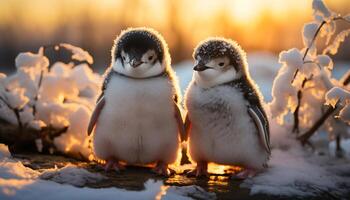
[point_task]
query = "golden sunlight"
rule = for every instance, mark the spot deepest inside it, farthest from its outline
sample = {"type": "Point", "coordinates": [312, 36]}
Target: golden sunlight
{"type": "Point", "coordinates": [245, 11]}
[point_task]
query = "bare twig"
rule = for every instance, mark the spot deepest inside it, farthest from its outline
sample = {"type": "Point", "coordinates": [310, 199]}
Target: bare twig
{"type": "Point", "coordinates": [296, 112]}
{"type": "Point", "coordinates": [346, 80]}
{"type": "Point", "coordinates": [305, 137]}
{"type": "Point", "coordinates": [37, 93]}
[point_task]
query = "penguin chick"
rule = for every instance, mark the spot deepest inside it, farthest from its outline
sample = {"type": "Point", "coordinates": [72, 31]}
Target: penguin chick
{"type": "Point", "coordinates": [226, 122]}
{"type": "Point", "coordinates": [137, 117]}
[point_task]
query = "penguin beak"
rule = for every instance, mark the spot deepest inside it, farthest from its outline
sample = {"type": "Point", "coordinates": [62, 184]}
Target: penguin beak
{"type": "Point", "coordinates": [200, 67]}
{"type": "Point", "coordinates": [135, 63]}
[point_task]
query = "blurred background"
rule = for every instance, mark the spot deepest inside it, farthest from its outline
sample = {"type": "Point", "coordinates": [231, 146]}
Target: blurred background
{"type": "Point", "coordinates": [258, 25]}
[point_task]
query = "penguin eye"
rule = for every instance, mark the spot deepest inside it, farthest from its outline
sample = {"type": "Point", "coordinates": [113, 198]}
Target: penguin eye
{"type": "Point", "coordinates": [221, 64]}
{"type": "Point", "coordinates": [150, 57]}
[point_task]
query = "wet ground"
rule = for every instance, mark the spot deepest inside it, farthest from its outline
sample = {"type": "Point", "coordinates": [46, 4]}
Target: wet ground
{"type": "Point", "coordinates": [133, 178]}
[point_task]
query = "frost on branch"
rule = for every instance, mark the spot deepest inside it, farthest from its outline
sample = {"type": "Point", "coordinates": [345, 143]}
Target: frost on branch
{"type": "Point", "coordinates": [309, 32]}
{"type": "Point", "coordinates": [78, 53]}
{"type": "Point", "coordinates": [321, 12]}
{"type": "Point", "coordinates": [333, 48]}
{"type": "Point", "coordinates": [300, 87]}
{"type": "Point", "coordinates": [50, 104]}
{"type": "Point", "coordinates": [340, 96]}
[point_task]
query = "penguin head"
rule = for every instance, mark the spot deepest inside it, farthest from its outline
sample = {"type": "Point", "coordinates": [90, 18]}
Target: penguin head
{"type": "Point", "coordinates": [218, 61]}
{"type": "Point", "coordinates": [139, 53]}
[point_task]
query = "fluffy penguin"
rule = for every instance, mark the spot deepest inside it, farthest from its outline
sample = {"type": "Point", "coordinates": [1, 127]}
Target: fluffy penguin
{"type": "Point", "coordinates": [226, 122]}
{"type": "Point", "coordinates": [137, 118]}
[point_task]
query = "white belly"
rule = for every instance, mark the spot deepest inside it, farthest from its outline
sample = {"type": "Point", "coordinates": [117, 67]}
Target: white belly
{"type": "Point", "coordinates": [137, 124]}
{"type": "Point", "coordinates": [222, 131]}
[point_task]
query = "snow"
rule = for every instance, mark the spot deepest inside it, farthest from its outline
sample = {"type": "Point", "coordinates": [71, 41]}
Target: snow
{"type": "Point", "coordinates": [342, 97]}
{"type": "Point", "coordinates": [283, 92]}
{"type": "Point", "coordinates": [293, 58]}
{"type": "Point", "coordinates": [333, 48]}
{"type": "Point", "coordinates": [78, 53]}
{"type": "Point", "coordinates": [325, 61]}
{"type": "Point", "coordinates": [308, 33]}
{"type": "Point", "coordinates": [16, 98]}
{"type": "Point", "coordinates": [321, 12]}
{"type": "Point", "coordinates": [337, 94]}
{"type": "Point", "coordinates": [20, 182]}
{"type": "Point", "coordinates": [71, 174]}
{"type": "Point", "coordinates": [31, 60]}
{"type": "Point", "coordinates": [56, 95]}
{"type": "Point", "coordinates": [290, 173]}
{"type": "Point", "coordinates": [294, 171]}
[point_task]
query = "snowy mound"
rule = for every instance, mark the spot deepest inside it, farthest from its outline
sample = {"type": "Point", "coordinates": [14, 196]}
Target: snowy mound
{"type": "Point", "coordinates": [58, 96]}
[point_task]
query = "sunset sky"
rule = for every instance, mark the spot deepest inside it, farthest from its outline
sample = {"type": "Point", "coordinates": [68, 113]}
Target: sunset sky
{"type": "Point", "coordinates": [258, 25]}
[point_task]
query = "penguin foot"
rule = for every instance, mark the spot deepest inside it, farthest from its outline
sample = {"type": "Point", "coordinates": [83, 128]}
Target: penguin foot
{"type": "Point", "coordinates": [113, 164]}
{"type": "Point", "coordinates": [162, 169]}
{"type": "Point", "coordinates": [246, 173]}
{"type": "Point", "coordinates": [200, 171]}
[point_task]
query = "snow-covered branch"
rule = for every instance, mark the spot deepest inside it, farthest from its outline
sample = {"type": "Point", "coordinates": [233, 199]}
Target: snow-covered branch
{"type": "Point", "coordinates": [307, 70]}
{"type": "Point", "coordinates": [49, 104]}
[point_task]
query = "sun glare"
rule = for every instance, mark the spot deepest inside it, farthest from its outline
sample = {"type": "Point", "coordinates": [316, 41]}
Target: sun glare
{"type": "Point", "coordinates": [245, 11]}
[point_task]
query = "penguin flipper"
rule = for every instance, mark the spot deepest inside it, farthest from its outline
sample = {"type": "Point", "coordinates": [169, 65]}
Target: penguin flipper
{"type": "Point", "coordinates": [94, 117]}
{"type": "Point", "coordinates": [262, 124]}
{"type": "Point", "coordinates": [179, 121]}
{"type": "Point", "coordinates": [107, 77]}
